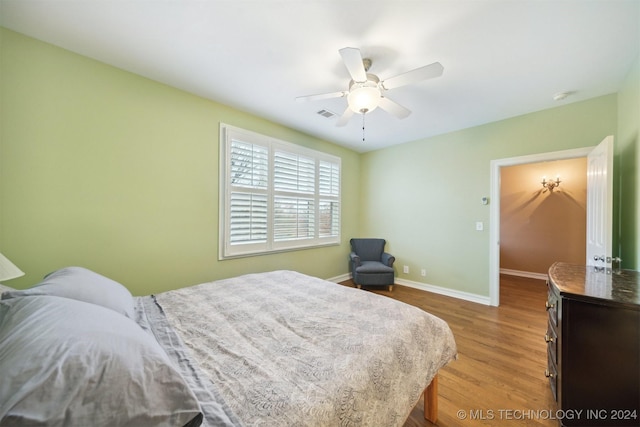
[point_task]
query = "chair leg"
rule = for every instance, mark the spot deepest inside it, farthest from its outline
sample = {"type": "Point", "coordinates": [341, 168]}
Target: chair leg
{"type": "Point", "coordinates": [358, 286]}
{"type": "Point", "coordinates": [390, 288]}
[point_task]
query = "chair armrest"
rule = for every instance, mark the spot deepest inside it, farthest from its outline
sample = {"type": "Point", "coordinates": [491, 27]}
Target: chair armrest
{"type": "Point", "coordinates": [355, 259]}
{"type": "Point", "coordinates": [388, 259]}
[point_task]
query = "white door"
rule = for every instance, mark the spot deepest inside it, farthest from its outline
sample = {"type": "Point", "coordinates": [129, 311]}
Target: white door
{"type": "Point", "coordinates": [600, 204]}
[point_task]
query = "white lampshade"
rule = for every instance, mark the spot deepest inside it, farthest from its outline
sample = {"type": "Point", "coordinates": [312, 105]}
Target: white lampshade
{"type": "Point", "coordinates": [8, 270]}
{"type": "Point", "coordinates": [364, 99]}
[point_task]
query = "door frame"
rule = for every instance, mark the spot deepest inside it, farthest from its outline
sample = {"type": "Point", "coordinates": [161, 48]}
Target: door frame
{"type": "Point", "coordinates": [494, 211]}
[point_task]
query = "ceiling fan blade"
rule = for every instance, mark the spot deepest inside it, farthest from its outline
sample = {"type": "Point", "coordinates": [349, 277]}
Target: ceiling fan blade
{"type": "Point", "coordinates": [393, 108]}
{"type": "Point", "coordinates": [353, 61]}
{"type": "Point", "coordinates": [344, 119]}
{"type": "Point", "coordinates": [427, 72]}
{"type": "Point", "coordinates": [322, 96]}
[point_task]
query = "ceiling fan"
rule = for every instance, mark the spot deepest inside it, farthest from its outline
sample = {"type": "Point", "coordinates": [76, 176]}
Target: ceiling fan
{"type": "Point", "coordinates": [366, 91]}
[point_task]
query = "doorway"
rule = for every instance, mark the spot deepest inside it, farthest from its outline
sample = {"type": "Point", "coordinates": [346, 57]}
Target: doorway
{"type": "Point", "coordinates": [494, 220]}
{"type": "Point", "coordinates": [542, 223]}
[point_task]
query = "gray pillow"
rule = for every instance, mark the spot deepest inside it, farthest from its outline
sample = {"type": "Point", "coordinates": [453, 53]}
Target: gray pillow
{"type": "Point", "coordinates": [83, 285]}
{"type": "Point", "coordinates": [67, 362]}
{"type": "Point", "coordinates": [5, 288]}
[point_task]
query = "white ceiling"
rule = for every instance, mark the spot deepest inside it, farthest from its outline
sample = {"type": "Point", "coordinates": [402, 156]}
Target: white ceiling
{"type": "Point", "coordinates": [501, 58]}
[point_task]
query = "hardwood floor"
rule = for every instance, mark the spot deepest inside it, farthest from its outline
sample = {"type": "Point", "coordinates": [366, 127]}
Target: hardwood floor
{"type": "Point", "coordinates": [498, 379]}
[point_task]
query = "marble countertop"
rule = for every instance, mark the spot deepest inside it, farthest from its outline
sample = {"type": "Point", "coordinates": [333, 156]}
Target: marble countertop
{"type": "Point", "coordinates": [585, 281]}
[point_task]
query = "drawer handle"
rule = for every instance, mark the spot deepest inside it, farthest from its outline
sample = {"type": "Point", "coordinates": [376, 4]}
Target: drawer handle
{"type": "Point", "coordinates": [548, 305]}
{"type": "Point", "coordinates": [548, 374]}
{"type": "Point", "coordinates": [547, 338]}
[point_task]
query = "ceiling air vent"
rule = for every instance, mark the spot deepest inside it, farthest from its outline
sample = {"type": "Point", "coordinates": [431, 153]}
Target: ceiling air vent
{"type": "Point", "coordinates": [326, 113]}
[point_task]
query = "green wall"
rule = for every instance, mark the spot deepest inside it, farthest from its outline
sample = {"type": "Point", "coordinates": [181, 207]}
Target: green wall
{"type": "Point", "coordinates": [425, 196]}
{"type": "Point", "coordinates": [628, 159]}
{"type": "Point", "coordinates": [109, 170]}
{"type": "Point", "coordinates": [106, 169]}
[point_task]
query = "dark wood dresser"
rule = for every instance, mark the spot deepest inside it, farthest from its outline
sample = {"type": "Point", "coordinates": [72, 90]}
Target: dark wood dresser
{"type": "Point", "coordinates": [593, 339]}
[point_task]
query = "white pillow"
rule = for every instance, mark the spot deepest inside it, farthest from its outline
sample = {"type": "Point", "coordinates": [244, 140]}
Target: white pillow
{"type": "Point", "coordinates": [67, 362]}
{"type": "Point", "coordinates": [83, 285]}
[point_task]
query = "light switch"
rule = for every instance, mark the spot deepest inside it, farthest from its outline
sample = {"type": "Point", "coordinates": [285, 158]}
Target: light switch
{"type": "Point", "coordinates": [479, 226]}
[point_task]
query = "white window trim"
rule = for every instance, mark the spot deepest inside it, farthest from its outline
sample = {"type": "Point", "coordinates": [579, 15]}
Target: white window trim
{"type": "Point", "coordinates": [228, 251]}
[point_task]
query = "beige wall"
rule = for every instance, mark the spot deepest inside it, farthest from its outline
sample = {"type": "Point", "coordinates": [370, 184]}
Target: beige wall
{"type": "Point", "coordinates": [540, 227]}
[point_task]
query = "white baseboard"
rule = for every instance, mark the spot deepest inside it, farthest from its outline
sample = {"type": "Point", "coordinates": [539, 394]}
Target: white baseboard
{"type": "Point", "coordinates": [519, 273]}
{"type": "Point", "coordinates": [340, 278]}
{"type": "Point", "coordinates": [467, 296]}
{"type": "Point", "coordinates": [480, 299]}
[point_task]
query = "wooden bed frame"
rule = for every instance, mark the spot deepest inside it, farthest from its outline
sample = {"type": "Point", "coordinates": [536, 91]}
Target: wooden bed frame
{"type": "Point", "coordinates": [431, 401]}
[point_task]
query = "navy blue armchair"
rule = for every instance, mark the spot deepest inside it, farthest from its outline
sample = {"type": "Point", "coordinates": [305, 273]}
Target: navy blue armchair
{"type": "Point", "coordinates": [370, 265]}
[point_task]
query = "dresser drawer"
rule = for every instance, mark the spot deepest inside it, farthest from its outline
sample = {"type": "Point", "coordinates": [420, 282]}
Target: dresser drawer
{"type": "Point", "coordinates": [551, 338]}
{"type": "Point", "coordinates": [552, 305]}
{"type": "Point", "coordinates": [552, 374]}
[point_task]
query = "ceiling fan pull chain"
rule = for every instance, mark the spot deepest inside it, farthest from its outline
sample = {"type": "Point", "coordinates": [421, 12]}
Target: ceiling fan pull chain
{"type": "Point", "coordinates": [363, 127]}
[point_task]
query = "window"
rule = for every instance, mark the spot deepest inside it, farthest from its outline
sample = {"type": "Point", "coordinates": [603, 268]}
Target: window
{"type": "Point", "coordinates": [274, 195]}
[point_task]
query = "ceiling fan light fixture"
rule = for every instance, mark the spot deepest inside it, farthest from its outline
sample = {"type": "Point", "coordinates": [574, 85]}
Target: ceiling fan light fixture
{"type": "Point", "coordinates": [364, 97]}
{"type": "Point", "coordinates": [366, 89]}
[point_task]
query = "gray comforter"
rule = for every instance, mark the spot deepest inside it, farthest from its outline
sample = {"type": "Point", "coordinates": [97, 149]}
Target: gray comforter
{"type": "Point", "coordinates": [286, 349]}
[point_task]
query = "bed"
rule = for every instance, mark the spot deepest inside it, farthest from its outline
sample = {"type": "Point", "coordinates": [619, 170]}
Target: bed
{"type": "Point", "coordinates": [272, 349]}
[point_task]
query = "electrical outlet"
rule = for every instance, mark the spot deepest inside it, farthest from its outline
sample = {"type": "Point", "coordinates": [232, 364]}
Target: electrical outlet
{"type": "Point", "coordinates": [405, 269]}
{"type": "Point", "coordinates": [423, 272]}
{"type": "Point", "coordinates": [479, 226]}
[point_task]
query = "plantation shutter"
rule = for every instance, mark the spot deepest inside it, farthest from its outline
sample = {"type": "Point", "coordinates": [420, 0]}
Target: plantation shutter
{"type": "Point", "coordinates": [329, 195]}
{"type": "Point", "coordinates": [248, 200]}
{"type": "Point", "coordinates": [275, 196]}
{"type": "Point", "coordinates": [294, 173]}
{"type": "Point", "coordinates": [294, 211]}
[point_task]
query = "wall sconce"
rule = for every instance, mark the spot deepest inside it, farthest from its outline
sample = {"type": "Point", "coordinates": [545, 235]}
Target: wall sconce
{"type": "Point", "coordinates": [550, 185]}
